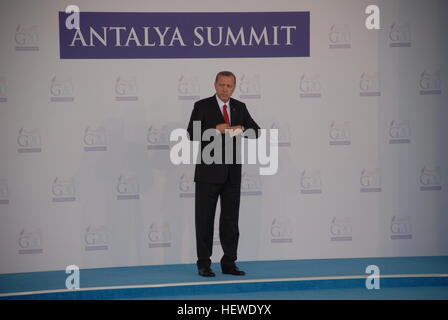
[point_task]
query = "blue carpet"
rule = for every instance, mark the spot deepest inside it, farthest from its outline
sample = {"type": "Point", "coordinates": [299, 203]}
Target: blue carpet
{"type": "Point", "coordinates": [256, 270]}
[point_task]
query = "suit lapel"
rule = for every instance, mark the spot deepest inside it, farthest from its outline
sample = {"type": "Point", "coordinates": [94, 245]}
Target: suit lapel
{"type": "Point", "coordinates": [234, 113]}
{"type": "Point", "coordinates": [216, 110]}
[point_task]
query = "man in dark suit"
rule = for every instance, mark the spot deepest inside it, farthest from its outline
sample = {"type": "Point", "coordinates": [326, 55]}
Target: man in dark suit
{"type": "Point", "coordinates": [219, 178]}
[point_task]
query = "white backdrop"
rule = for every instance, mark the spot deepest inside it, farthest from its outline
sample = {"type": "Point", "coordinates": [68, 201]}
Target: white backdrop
{"type": "Point", "coordinates": [85, 175]}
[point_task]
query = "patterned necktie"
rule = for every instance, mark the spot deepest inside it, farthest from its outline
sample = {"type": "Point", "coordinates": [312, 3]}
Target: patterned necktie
{"type": "Point", "coordinates": [226, 116]}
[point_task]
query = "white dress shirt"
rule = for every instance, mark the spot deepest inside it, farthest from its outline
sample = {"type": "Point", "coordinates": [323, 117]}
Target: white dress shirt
{"type": "Point", "coordinates": [221, 107]}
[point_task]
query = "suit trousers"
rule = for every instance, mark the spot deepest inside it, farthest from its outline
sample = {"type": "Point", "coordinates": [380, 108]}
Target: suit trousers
{"type": "Point", "coordinates": [207, 195]}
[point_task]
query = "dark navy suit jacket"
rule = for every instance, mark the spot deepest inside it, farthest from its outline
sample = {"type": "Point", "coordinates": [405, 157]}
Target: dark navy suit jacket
{"type": "Point", "coordinates": [207, 111]}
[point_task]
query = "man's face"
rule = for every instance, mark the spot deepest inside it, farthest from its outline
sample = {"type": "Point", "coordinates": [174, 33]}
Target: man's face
{"type": "Point", "coordinates": [224, 87]}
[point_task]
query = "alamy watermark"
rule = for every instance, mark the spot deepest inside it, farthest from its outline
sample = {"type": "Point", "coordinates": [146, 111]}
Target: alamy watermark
{"type": "Point", "coordinates": [72, 281]}
{"type": "Point", "coordinates": [373, 280]}
{"type": "Point", "coordinates": [249, 149]}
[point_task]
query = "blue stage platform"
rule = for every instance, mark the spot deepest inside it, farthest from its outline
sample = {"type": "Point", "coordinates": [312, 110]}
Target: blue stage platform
{"type": "Point", "coordinates": [400, 278]}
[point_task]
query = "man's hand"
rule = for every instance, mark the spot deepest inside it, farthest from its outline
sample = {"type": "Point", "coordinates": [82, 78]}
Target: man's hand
{"type": "Point", "coordinates": [233, 130]}
{"type": "Point", "coordinates": [236, 130]}
{"type": "Point", "coordinates": [222, 127]}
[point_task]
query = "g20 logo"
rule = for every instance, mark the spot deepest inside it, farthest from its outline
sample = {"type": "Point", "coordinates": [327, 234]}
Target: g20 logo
{"type": "Point", "coordinates": [26, 36]}
{"type": "Point", "coordinates": [339, 131]}
{"type": "Point", "coordinates": [370, 178]}
{"type": "Point", "coordinates": [430, 179]}
{"type": "Point", "coordinates": [281, 231]}
{"type": "Point", "coordinates": [157, 135]}
{"type": "Point", "coordinates": [127, 185]}
{"type": "Point", "coordinates": [159, 235]}
{"type": "Point", "coordinates": [250, 182]}
{"type": "Point", "coordinates": [95, 235]}
{"type": "Point", "coordinates": [61, 87]}
{"type": "Point", "coordinates": [340, 227]}
{"type": "Point", "coordinates": [62, 187]}
{"type": "Point", "coordinates": [310, 180]}
{"type": "Point", "coordinates": [3, 189]}
{"type": "Point", "coordinates": [309, 84]}
{"type": "Point", "coordinates": [249, 84]}
{"type": "Point", "coordinates": [188, 85]}
{"type": "Point", "coordinates": [339, 34]}
{"type": "Point", "coordinates": [29, 138]}
{"type": "Point", "coordinates": [126, 86]}
{"type": "Point", "coordinates": [401, 225]}
{"type": "Point", "coordinates": [186, 183]}
{"type": "Point", "coordinates": [2, 89]}
{"type": "Point", "coordinates": [95, 137]}
{"type": "Point", "coordinates": [29, 241]}
{"type": "Point", "coordinates": [400, 33]}
{"type": "Point", "coordinates": [399, 132]}
{"type": "Point", "coordinates": [430, 83]}
{"type": "Point", "coordinates": [369, 83]}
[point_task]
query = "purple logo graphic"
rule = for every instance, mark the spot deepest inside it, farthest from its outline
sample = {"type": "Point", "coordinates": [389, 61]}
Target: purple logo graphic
{"type": "Point", "coordinates": [95, 139]}
{"type": "Point", "coordinates": [341, 229]}
{"type": "Point", "coordinates": [126, 88]}
{"type": "Point", "coordinates": [310, 182]}
{"type": "Point", "coordinates": [188, 88]}
{"type": "Point", "coordinates": [149, 35]}
{"type": "Point", "coordinates": [4, 193]}
{"type": "Point", "coordinates": [159, 235]}
{"type": "Point", "coordinates": [186, 186]}
{"type": "Point", "coordinates": [3, 97]}
{"type": "Point", "coordinates": [284, 134]}
{"type": "Point", "coordinates": [96, 238]}
{"type": "Point", "coordinates": [340, 37]}
{"type": "Point", "coordinates": [399, 132]}
{"type": "Point", "coordinates": [29, 141]}
{"type": "Point", "coordinates": [30, 242]}
{"type": "Point", "coordinates": [310, 86]}
{"type": "Point", "coordinates": [281, 231]}
{"type": "Point", "coordinates": [339, 133]}
{"type": "Point", "coordinates": [26, 38]}
{"type": "Point", "coordinates": [61, 89]}
{"type": "Point", "coordinates": [249, 86]}
{"type": "Point", "coordinates": [157, 138]}
{"type": "Point", "coordinates": [63, 190]}
{"type": "Point", "coordinates": [369, 85]}
{"type": "Point", "coordinates": [430, 178]}
{"type": "Point", "coordinates": [401, 228]}
{"type": "Point", "coordinates": [250, 184]}
{"type": "Point", "coordinates": [370, 180]}
{"type": "Point", "coordinates": [430, 83]}
{"type": "Point", "coordinates": [128, 187]}
{"type": "Point", "coordinates": [400, 35]}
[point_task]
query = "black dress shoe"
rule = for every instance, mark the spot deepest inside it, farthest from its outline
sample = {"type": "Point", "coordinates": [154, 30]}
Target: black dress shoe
{"type": "Point", "coordinates": [234, 271]}
{"type": "Point", "coordinates": [206, 272]}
